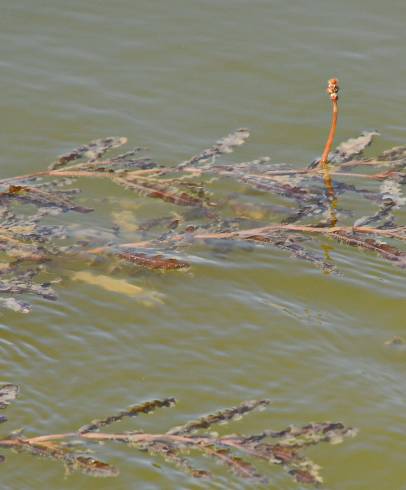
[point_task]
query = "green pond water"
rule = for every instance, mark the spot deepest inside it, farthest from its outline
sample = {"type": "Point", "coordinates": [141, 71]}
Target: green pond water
{"type": "Point", "coordinates": [175, 76]}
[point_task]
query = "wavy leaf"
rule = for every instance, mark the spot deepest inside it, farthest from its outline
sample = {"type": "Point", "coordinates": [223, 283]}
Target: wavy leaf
{"type": "Point", "coordinates": [94, 150]}
{"type": "Point", "coordinates": [8, 393]}
{"type": "Point", "coordinates": [222, 146]}
{"type": "Point", "coordinates": [147, 407]}
{"type": "Point", "coordinates": [220, 417]}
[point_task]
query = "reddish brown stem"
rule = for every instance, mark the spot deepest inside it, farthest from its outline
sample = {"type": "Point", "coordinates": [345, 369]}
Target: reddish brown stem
{"type": "Point", "coordinates": [397, 233]}
{"type": "Point", "coordinates": [332, 90]}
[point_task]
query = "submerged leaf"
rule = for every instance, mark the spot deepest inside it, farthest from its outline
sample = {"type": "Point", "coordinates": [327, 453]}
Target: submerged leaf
{"type": "Point", "coordinates": [93, 467]}
{"type": "Point", "coordinates": [108, 283]}
{"type": "Point", "coordinates": [95, 149]}
{"type": "Point", "coordinates": [32, 195]}
{"type": "Point", "coordinates": [239, 466]}
{"type": "Point", "coordinates": [220, 417]}
{"type": "Point", "coordinates": [395, 153]}
{"type": "Point", "coordinates": [24, 284]}
{"type": "Point", "coordinates": [171, 191]}
{"type": "Point", "coordinates": [353, 148]}
{"type": "Point", "coordinates": [171, 454]}
{"type": "Point", "coordinates": [306, 475]}
{"type": "Point", "coordinates": [8, 393]}
{"type": "Point", "coordinates": [386, 251]}
{"type": "Point", "coordinates": [15, 305]}
{"type": "Point", "coordinates": [147, 407]}
{"type": "Point", "coordinates": [73, 461]}
{"type": "Point", "coordinates": [118, 286]}
{"type": "Point", "coordinates": [224, 145]}
{"type": "Point", "coordinates": [392, 191]}
{"type": "Point", "coordinates": [153, 261]}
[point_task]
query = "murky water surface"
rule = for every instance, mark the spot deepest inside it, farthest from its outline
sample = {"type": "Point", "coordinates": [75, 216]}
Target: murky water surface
{"type": "Point", "coordinates": [175, 76]}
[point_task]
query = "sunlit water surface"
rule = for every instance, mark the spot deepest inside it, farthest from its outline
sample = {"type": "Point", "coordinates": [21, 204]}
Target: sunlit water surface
{"type": "Point", "coordinates": [175, 76]}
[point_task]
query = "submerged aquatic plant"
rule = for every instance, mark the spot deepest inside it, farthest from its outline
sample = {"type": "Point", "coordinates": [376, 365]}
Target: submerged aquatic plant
{"type": "Point", "coordinates": [195, 211]}
{"type": "Point", "coordinates": [177, 445]}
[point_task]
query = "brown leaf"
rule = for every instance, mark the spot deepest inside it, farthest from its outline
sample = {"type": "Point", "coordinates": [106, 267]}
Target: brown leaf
{"type": "Point", "coordinates": [153, 261]}
{"type": "Point", "coordinates": [41, 198]}
{"type": "Point", "coordinates": [95, 149]}
{"type": "Point", "coordinates": [165, 190]}
{"type": "Point", "coordinates": [147, 407]}
{"type": "Point", "coordinates": [93, 467]}
{"type": "Point", "coordinates": [220, 417]}
{"type": "Point", "coordinates": [386, 251]}
{"type": "Point", "coordinates": [285, 454]}
{"type": "Point", "coordinates": [304, 476]}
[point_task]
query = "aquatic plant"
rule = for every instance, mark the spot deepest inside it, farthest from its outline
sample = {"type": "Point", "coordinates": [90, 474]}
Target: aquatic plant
{"type": "Point", "coordinates": [177, 445]}
{"type": "Point", "coordinates": [31, 240]}
{"type": "Point", "coordinates": [332, 90]}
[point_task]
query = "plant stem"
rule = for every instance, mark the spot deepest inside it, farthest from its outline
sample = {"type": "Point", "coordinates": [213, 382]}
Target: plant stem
{"type": "Point", "coordinates": [332, 90]}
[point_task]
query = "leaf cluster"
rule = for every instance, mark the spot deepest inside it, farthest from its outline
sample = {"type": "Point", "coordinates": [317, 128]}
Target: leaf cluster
{"type": "Point", "coordinates": [238, 453]}
{"type": "Point", "coordinates": [32, 235]}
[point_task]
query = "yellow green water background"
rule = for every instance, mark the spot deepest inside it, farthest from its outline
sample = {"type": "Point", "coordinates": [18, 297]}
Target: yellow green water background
{"type": "Point", "coordinates": [175, 76]}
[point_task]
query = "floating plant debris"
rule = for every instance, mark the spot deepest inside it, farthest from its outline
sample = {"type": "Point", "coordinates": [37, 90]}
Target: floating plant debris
{"type": "Point", "coordinates": [194, 211]}
{"type": "Point", "coordinates": [237, 452]}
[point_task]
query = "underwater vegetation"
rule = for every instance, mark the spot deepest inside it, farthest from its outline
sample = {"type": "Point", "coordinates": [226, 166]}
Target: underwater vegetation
{"type": "Point", "coordinates": [179, 444]}
{"type": "Point", "coordinates": [298, 209]}
{"type": "Point", "coordinates": [33, 236]}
